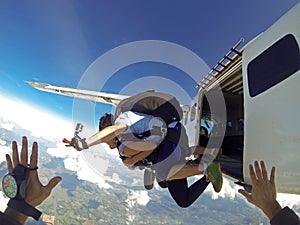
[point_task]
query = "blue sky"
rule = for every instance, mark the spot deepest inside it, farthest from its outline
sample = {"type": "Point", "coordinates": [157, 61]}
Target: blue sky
{"type": "Point", "coordinates": [56, 41]}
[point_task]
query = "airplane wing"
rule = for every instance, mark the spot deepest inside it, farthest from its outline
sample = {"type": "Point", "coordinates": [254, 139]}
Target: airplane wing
{"type": "Point", "coordinates": [95, 96]}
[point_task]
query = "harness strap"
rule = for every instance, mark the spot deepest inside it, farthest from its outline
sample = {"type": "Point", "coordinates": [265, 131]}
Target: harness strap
{"type": "Point", "coordinates": [156, 130]}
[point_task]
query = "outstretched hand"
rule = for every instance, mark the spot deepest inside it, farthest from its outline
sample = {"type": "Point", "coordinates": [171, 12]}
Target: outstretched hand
{"type": "Point", "coordinates": [36, 193]}
{"type": "Point", "coordinates": [68, 143]}
{"type": "Point", "coordinates": [78, 144]}
{"type": "Point", "coordinates": [263, 190]}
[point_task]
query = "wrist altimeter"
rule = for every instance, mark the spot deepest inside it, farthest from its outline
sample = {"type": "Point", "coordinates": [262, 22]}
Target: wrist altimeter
{"type": "Point", "coordinates": [14, 187]}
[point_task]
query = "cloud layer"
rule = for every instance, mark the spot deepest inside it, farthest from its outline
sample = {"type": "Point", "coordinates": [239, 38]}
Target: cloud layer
{"type": "Point", "coordinates": [34, 119]}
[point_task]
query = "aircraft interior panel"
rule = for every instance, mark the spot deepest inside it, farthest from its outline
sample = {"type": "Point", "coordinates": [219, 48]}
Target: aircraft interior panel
{"type": "Point", "coordinates": [233, 140]}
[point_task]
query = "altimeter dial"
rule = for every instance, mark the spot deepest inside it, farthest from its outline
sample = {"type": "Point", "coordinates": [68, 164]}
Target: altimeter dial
{"type": "Point", "coordinates": [10, 186]}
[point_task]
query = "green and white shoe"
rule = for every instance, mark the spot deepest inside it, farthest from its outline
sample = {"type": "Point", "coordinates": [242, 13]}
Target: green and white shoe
{"type": "Point", "coordinates": [214, 175]}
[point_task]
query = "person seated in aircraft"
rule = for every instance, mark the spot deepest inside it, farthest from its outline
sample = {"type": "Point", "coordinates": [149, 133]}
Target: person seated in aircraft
{"type": "Point", "coordinates": [36, 193]}
{"type": "Point", "coordinates": [171, 169]}
{"type": "Point", "coordinates": [263, 195]}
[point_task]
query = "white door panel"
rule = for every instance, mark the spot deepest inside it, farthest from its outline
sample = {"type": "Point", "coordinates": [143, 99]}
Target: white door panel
{"type": "Point", "coordinates": [272, 123]}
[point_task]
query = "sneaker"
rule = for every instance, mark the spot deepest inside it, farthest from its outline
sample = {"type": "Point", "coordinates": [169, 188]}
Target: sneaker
{"type": "Point", "coordinates": [214, 175]}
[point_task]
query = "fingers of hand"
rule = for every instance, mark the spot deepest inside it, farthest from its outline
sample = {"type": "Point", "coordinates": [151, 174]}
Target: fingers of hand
{"type": "Point", "coordinates": [258, 171]}
{"type": "Point", "coordinates": [24, 152]}
{"type": "Point", "coordinates": [69, 143]}
{"type": "Point", "coordinates": [66, 141]}
{"type": "Point", "coordinates": [264, 170]}
{"type": "Point", "coordinates": [252, 175]}
{"type": "Point", "coordinates": [10, 166]}
{"type": "Point", "coordinates": [52, 183]}
{"type": "Point", "coordinates": [34, 155]}
{"type": "Point", "coordinates": [272, 176]}
{"type": "Point", "coordinates": [24, 155]}
{"type": "Point", "coordinates": [246, 195]}
{"type": "Point", "coordinates": [15, 154]}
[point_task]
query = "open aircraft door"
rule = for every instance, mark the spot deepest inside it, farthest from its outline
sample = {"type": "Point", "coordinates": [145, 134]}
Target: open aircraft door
{"type": "Point", "coordinates": [271, 78]}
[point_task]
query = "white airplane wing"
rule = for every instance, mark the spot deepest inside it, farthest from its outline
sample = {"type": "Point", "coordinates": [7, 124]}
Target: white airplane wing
{"type": "Point", "coordinates": [95, 96]}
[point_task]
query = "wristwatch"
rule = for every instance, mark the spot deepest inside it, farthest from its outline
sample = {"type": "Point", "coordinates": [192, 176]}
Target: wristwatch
{"type": "Point", "coordinates": [14, 187]}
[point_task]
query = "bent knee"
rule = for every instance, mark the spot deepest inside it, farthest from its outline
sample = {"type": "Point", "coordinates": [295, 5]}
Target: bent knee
{"type": "Point", "coordinates": [183, 204]}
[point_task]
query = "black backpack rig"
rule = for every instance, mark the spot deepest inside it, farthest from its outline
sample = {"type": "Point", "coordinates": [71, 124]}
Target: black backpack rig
{"type": "Point", "coordinates": [161, 105]}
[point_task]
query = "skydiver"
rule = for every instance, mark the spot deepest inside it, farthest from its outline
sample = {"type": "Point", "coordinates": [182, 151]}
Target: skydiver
{"type": "Point", "coordinates": [171, 169]}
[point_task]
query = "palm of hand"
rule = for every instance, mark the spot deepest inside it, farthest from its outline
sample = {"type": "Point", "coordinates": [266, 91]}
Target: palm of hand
{"type": "Point", "coordinates": [36, 193]}
{"type": "Point", "coordinates": [263, 190]}
{"type": "Point", "coordinates": [263, 193]}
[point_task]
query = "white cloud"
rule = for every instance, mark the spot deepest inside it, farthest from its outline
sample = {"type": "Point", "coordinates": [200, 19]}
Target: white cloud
{"type": "Point", "coordinates": [137, 198]}
{"type": "Point", "coordinates": [75, 161]}
{"type": "Point", "coordinates": [87, 173]}
{"type": "Point", "coordinates": [3, 201]}
{"type": "Point", "coordinates": [116, 178]}
{"type": "Point", "coordinates": [40, 122]}
{"type": "Point", "coordinates": [289, 200]}
{"type": "Point", "coordinates": [7, 126]}
{"type": "Point", "coordinates": [61, 151]}
{"type": "Point", "coordinates": [229, 190]}
{"type": "Point", "coordinates": [2, 142]}
{"type": "Point", "coordinates": [4, 150]}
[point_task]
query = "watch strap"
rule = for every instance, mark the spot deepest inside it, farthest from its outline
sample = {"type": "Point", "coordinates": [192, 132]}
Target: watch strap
{"type": "Point", "coordinates": [20, 170]}
{"type": "Point", "coordinates": [23, 207]}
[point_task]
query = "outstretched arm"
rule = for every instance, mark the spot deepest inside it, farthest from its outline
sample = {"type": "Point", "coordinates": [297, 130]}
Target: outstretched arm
{"type": "Point", "coordinates": [104, 135]}
{"type": "Point", "coordinates": [263, 190]}
{"type": "Point", "coordinates": [36, 193]}
{"type": "Point", "coordinates": [264, 196]}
